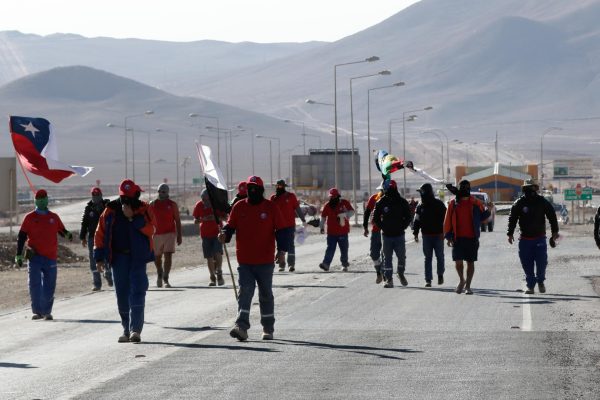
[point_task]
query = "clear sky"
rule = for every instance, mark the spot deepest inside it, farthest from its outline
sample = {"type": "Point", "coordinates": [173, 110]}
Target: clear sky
{"type": "Point", "coordinates": [187, 20]}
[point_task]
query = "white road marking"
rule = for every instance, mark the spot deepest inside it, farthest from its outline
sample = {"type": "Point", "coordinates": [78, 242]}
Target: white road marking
{"type": "Point", "coordinates": [527, 322]}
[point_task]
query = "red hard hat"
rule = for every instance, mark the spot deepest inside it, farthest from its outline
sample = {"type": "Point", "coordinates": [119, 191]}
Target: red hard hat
{"type": "Point", "coordinates": [242, 189]}
{"type": "Point", "coordinates": [96, 191]}
{"type": "Point", "coordinates": [41, 194]}
{"type": "Point", "coordinates": [255, 180]}
{"type": "Point", "coordinates": [333, 192]}
{"type": "Point", "coordinates": [128, 188]}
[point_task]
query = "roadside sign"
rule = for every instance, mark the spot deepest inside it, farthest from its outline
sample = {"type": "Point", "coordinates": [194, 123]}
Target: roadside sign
{"type": "Point", "coordinates": [584, 194]}
{"type": "Point", "coordinates": [196, 181]}
{"type": "Point", "coordinates": [570, 194]}
{"type": "Point", "coordinates": [578, 189]}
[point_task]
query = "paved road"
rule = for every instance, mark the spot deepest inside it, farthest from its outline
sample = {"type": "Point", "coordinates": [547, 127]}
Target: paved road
{"type": "Point", "coordinates": [338, 336]}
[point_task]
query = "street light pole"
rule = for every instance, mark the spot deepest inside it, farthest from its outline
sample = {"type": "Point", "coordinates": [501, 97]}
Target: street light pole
{"type": "Point", "coordinates": [397, 84]}
{"type": "Point", "coordinates": [335, 157]}
{"type": "Point", "coordinates": [553, 128]}
{"type": "Point", "coordinates": [404, 139]}
{"type": "Point", "coordinates": [148, 112]}
{"type": "Point", "coordinates": [176, 153]}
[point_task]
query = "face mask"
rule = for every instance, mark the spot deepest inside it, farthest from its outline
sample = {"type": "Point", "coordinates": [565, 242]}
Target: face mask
{"type": "Point", "coordinates": [163, 195]}
{"type": "Point", "coordinates": [529, 192]}
{"type": "Point", "coordinates": [130, 201]}
{"type": "Point", "coordinates": [41, 203]}
{"type": "Point", "coordinates": [97, 200]}
{"type": "Point", "coordinates": [279, 191]}
{"type": "Point", "coordinates": [255, 194]}
{"type": "Point", "coordinates": [333, 202]}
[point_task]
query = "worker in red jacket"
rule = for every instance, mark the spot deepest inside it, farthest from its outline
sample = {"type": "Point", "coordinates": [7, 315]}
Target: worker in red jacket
{"type": "Point", "coordinates": [256, 222]}
{"type": "Point", "coordinates": [212, 249]}
{"type": "Point", "coordinates": [336, 213]}
{"type": "Point", "coordinates": [375, 247]}
{"type": "Point", "coordinates": [39, 229]}
{"type": "Point", "coordinates": [168, 231]}
{"type": "Point", "coordinates": [290, 208]}
{"type": "Point", "coordinates": [124, 241]}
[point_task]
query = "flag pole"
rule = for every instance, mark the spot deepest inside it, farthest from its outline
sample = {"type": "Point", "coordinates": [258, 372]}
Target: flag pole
{"type": "Point", "coordinates": [202, 163]}
{"type": "Point", "coordinates": [25, 173]}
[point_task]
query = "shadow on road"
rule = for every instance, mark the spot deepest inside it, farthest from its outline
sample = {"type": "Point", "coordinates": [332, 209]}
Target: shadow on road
{"type": "Point", "coordinates": [356, 349]}
{"type": "Point", "coordinates": [195, 328]}
{"type": "Point", "coordinates": [15, 365]}
{"type": "Point", "coordinates": [309, 286]}
{"type": "Point", "coordinates": [87, 321]}
{"type": "Point", "coordinates": [214, 346]}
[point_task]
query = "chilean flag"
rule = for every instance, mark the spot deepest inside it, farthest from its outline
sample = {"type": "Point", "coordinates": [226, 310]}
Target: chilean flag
{"type": "Point", "coordinates": [36, 148]}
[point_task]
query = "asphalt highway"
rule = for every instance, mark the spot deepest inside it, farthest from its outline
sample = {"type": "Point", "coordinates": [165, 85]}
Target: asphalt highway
{"type": "Point", "coordinates": [337, 335]}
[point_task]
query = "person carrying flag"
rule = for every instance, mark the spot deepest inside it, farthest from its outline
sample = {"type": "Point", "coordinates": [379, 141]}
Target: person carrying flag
{"type": "Point", "coordinates": [375, 247]}
{"type": "Point", "coordinates": [257, 223]}
{"type": "Point", "coordinates": [39, 230]}
{"type": "Point", "coordinates": [212, 249]}
{"type": "Point", "coordinates": [168, 230]}
{"type": "Point", "coordinates": [124, 241]}
{"type": "Point", "coordinates": [336, 213]}
{"type": "Point", "coordinates": [89, 223]}
{"type": "Point", "coordinates": [290, 208]}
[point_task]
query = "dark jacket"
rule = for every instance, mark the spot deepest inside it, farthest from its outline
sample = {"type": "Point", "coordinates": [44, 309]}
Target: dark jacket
{"type": "Point", "coordinates": [531, 212]}
{"type": "Point", "coordinates": [392, 214]}
{"type": "Point", "coordinates": [597, 227]}
{"type": "Point", "coordinates": [90, 218]}
{"type": "Point", "coordinates": [429, 217]}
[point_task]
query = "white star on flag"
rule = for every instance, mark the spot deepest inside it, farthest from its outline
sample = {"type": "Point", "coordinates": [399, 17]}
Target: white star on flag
{"type": "Point", "coordinates": [30, 128]}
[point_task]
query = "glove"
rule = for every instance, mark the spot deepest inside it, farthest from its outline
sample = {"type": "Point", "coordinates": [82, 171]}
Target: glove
{"type": "Point", "coordinates": [19, 260]}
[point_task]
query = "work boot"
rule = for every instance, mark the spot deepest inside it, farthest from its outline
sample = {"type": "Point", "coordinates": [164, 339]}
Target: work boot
{"type": "Point", "coordinates": [96, 289]}
{"type": "Point", "coordinates": [440, 279]}
{"type": "Point", "coordinates": [389, 283]}
{"type": "Point", "coordinates": [36, 316]}
{"type": "Point", "coordinates": [159, 280]}
{"type": "Point", "coordinates": [324, 267]}
{"type": "Point", "coordinates": [541, 287]}
{"type": "Point", "coordinates": [48, 317]}
{"type": "Point", "coordinates": [529, 290]}
{"type": "Point", "coordinates": [427, 283]}
{"type": "Point", "coordinates": [344, 269]}
{"type": "Point", "coordinates": [379, 278]}
{"type": "Point", "coordinates": [124, 338]}
{"type": "Point", "coordinates": [238, 333]}
{"type": "Point", "coordinates": [292, 268]}
{"type": "Point", "coordinates": [135, 337]}
{"type": "Point", "coordinates": [403, 280]}
{"type": "Point", "coordinates": [220, 279]}
{"type": "Point", "coordinates": [267, 335]}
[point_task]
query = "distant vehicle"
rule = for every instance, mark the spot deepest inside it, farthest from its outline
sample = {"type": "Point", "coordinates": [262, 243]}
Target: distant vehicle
{"type": "Point", "coordinates": [488, 224]}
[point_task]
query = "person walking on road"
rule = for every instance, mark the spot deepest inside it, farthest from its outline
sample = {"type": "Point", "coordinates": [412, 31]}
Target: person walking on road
{"type": "Point", "coordinates": [392, 215]}
{"type": "Point", "coordinates": [375, 245]}
{"type": "Point", "coordinates": [256, 222]}
{"type": "Point", "coordinates": [531, 211]}
{"type": "Point", "coordinates": [336, 213]}
{"type": "Point", "coordinates": [89, 221]}
{"type": "Point", "coordinates": [429, 219]}
{"type": "Point", "coordinates": [462, 227]}
{"type": "Point", "coordinates": [241, 194]}
{"type": "Point", "coordinates": [124, 242]}
{"type": "Point", "coordinates": [212, 249]}
{"type": "Point", "coordinates": [39, 230]}
{"type": "Point", "coordinates": [168, 231]}
{"type": "Point", "coordinates": [290, 208]}
{"type": "Point", "coordinates": [597, 228]}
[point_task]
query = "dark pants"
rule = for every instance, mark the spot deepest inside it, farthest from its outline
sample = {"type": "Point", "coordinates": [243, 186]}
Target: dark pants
{"type": "Point", "coordinates": [97, 279]}
{"type": "Point", "coordinates": [391, 245]}
{"type": "Point", "coordinates": [42, 283]}
{"type": "Point", "coordinates": [534, 255]}
{"type": "Point", "coordinates": [332, 242]}
{"type": "Point", "coordinates": [287, 237]}
{"type": "Point", "coordinates": [248, 277]}
{"type": "Point", "coordinates": [131, 284]}
{"type": "Point", "coordinates": [375, 250]}
{"type": "Point", "coordinates": [433, 244]}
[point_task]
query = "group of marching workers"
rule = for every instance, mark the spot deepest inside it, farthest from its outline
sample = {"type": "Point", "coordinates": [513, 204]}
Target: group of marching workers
{"type": "Point", "coordinates": [125, 234]}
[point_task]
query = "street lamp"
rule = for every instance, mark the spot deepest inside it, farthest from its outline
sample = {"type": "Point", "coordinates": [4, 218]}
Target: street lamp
{"type": "Point", "coordinates": [335, 158]}
{"type": "Point", "coordinates": [148, 112]}
{"type": "Point", "coordinates": [397, 84]}
{"type": "Point", "coordinates": [404, 138]}
{"type": "Point", "coordinates": [447, 152]}
{"type": "Point", "coordinates": [547, 131]}
{"type": "Point", "coordinates": [311, 101]}
{"type": "Point", "coordinates": [196, 115]}
{"type": "Point", "coordinates": [270, 139]}
{"type": "Point", "coordinates": [384, 72]}
{"type": "Point", "coordinates": [176, 152]}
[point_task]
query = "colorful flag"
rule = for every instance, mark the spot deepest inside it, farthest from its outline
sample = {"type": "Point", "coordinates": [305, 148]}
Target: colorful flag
{"type": "Point", "coordinates": [37, 150]}
{"type": "Point", "coordinates": [387, 164]}
{"type": "Point", "coordinates": [213, 178]}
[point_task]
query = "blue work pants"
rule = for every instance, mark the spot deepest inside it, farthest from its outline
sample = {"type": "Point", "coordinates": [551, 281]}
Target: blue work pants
{"type": "Point", "coordinates": [431, 244]}
{"type": "Point", "coordinates": [131, 284]}
{"type": "Point", "coordinates": [534, 259]}
{"type": "Point", "coordinates": [249, 276]}
{"type": "Point", "coordinates": [42, 273]}
{"type": "Point", "coordinates": [332, 242]}
{"type": "Point", "coordinates": [391, 245]}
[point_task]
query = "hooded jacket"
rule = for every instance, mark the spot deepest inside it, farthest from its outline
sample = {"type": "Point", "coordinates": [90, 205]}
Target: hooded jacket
{"type": "Point", "coordinates": [531, 212]}
{"type": "Point", "coordinates": [429, 217]}
{"type": "Point", "coordinates": [90, 218]}
{"type": "Point", "coordinates": [392, 214]}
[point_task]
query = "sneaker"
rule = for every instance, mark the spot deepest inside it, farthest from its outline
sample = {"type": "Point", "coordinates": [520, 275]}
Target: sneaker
{"type": "Point", "coordinates": [238, 333]}
{"type": "Point", "coordinates": [324, 267]}
{"type": "Point", "coordinates": [344, 269]}
{"type": "Point", "coordinates": [379, 278]}
{"type": "Point", "coordinates": [96, 289]}
{"type": "Point", "coordinates": [460, 287]}
{"type": "Point", "coordinates": [36, 316]}
{"type": "Point", "coordinates": [389, 283]}
{"type": "Point", "coordinates": [403, 280]}
{"type": "Point", "coordinates": [135, 337]}
{"type": "Point", "coordinates": [427, 283]}
{"type": "Point", "coordinates": [48, 317]}
{"type": "Point", "coordinates": [220, 280]}
{"type": "Point", "coordinates": [541, 287]}
{"type": "Point", "coordinates": [159, 281]}
{"type": "Point", "coordinates": [440, 279]}
{"type": "Point", "coordinates": [124, 338]}
{"type": "Point", "coordinates": [292, 268]}
{"type": "Point", "coordinates": [529, 290]}
{"type": "Point", "coordinates": [468, 291]}
{"type": "Point", "coordinates": [267, 336]}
